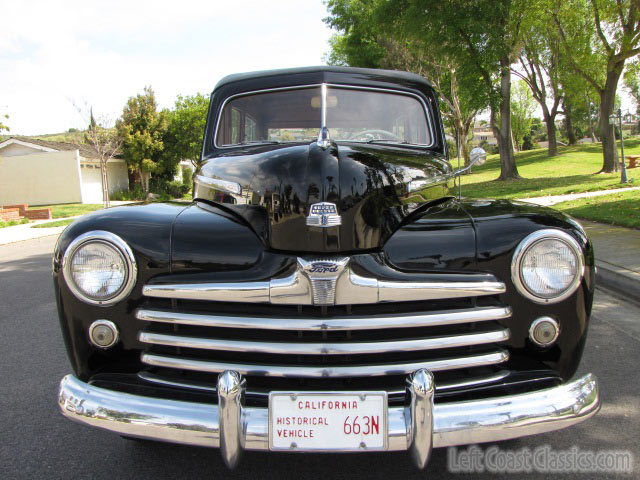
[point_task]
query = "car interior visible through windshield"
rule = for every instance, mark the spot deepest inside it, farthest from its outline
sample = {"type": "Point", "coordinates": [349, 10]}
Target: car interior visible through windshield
{"type": "Point", "coordinates": [295, 115]}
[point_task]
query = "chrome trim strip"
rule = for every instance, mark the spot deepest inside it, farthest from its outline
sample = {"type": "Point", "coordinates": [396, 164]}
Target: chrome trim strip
{"type": "Point", "coordinates": [431, 319]}
{"type": "Point", "coordinates": [457, 423]}
{"type": "Point", "coordinates": [190, 384]}
{"type": "Point", "coordinates": [346, 348]}
{"type": "Point", "coordinates": [114, 241]}
{"type": "Point", "coordinates": [413, 291]}
{"type": "Point", "coordinates": [219, 184]}
{"type": "Point", "coordinates": [529, 241]}
{"type": "Point", "coordinates": [472, 382]}
{"type": "Point", "coordinates": [350, 289]}
{"type": "Point", "coordinates": [207, 387]}
{"type": "Point", "coordinates": [254, 292]}
{"type": "Point", "coordinates": [323, 371]}
{"type": "Point", "coordinates": [323, 90]}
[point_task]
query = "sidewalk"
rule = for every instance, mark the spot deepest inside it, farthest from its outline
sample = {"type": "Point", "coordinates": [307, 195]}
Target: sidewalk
{"type": "Point", "coordinates": [18, 233]}
{"type": "Point", "coordinates": [550, 200]}
{"type": "Point", "coordinates": [617, 252]}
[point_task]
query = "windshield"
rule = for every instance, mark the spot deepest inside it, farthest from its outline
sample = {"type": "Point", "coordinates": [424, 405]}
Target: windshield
{"type": "Point", "coordinates": [352, 114]}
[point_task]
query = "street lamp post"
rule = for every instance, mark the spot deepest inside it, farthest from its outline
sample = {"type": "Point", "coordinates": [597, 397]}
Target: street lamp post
{"type": "Point", "coordinates": [612, 120]}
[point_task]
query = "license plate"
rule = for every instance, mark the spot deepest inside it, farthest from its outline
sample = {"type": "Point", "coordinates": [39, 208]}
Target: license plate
{"type": "Point", "coordinates": [344, 421]}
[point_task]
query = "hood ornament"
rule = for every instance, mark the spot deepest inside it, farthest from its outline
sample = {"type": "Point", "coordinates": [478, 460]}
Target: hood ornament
{"type": "Point", "coordinates": [324, 214]}
{"type": "Point", "coordinates": [324, 140]}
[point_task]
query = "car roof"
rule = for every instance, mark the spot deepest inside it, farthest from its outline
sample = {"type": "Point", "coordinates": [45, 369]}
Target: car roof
{"type": "Point", "coordinates": [322, 74]}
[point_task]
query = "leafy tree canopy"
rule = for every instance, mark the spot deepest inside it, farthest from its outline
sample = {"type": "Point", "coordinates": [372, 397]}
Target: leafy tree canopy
{"type": "Point", "coordinates": [4, 127]}
{"type": "Point", "coordinates": [142, 128]}
{"type": "Point", "coordinates": [186, 123]}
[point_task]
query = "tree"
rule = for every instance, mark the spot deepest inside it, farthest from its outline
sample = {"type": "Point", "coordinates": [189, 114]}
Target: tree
{"type": "Point", "coordinates": [106, 144]}
{"type": "Point", "coordinates": [522, 107]}
{"type": "Point", "coordinates": [540, 69]}
{"type": "Point", "coordinates": [186, 123]}
{"type": "Point", "coordinates": [370, 38]}
{"type": "Point", "coordinates": [2, 125]}
{"type": "Point", "coordinates": [487, 36]}
{"type": "Point", "coordinates": [632, 82]}
{"type": "Point", "coordinates": [142, 128]}
{"type": "Point", "coordinates": [598, 37]}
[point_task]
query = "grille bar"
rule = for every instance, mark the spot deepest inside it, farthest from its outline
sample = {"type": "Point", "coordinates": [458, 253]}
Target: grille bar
{"type": "Point", "coordinates": [211, 387]}
{"type": "Point", "coordinates": [449, 317]}
{"type": "Point", "coordinates": [342, 348]}
{"type": "Point", "coordinates": [350, 288]}
{"type": "Point", "coordinates": [274, 370]}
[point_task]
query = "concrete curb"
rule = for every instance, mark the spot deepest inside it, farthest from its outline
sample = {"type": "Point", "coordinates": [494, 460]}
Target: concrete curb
{"type": "Point", "coordinates": [624, 282]}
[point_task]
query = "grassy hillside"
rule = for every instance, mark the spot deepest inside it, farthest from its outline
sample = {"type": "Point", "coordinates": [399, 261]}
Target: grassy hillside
{"type": "Point", "coordinates": [69, 137]}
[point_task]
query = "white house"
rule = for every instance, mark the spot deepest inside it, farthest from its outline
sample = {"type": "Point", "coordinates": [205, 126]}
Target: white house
{"type": "Point", "coordinates": [483, 135]}
{"type": "Point", "coordinates": [39, 172]}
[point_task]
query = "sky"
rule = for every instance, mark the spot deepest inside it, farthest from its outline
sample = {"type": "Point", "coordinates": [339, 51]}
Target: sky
{"type": "Point", "coordinates": [59, 58]}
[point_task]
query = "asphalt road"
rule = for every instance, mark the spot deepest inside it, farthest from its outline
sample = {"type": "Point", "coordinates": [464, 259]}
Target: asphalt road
{"type": "Point", "coordinates": [36, 442]}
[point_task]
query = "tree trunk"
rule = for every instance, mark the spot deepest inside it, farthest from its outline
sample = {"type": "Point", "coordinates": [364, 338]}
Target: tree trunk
{"type": "Point", "coordinates": [145, 176]}
{"type": "Point", "coordinates": [552, 149]}
{"type": "Point", "coordinates": [571, 133]}
{"type": "Point", "coordinates": [466, 151]}
{"type": "Point", "coordinates": [131, 174]}
{"type": "Point", "coordinates": [550, 122]}
{"type": "Point", "coordinates": [508, 169]}
{"type": "Point", "coordinates": [105, 184]}
{"type": "Point", "coordinates": [607, 131]}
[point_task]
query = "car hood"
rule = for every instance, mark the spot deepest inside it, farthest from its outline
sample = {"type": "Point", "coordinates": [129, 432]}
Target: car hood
{"type": "Point", "coordinates": [374, 188]}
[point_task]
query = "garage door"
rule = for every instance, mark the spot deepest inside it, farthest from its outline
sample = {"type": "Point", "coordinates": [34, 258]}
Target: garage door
{"type": "Point", "coordinates": [91, 184]}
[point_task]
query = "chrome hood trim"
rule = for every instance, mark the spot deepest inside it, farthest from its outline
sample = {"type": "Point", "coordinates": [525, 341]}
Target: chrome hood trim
{"type": "Point", "coordinates": [322, 281]}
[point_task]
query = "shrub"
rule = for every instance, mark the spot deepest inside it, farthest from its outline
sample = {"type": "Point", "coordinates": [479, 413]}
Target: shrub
{"type": "Point", "coordinates": [187, 177]}
{"type": "Point", "coordinates": [128, 195]}
{"type": "Point", "coordinates": [163, 189]}
{"type": "Point", "coordinates": [453, 150]}
{"type": "Point", "coordinates": [176, 189]}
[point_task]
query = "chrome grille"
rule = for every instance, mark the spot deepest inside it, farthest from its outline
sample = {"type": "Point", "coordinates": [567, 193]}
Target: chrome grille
{"type": "Point", "coordinates": [323, 291]}
{"type": "Point", "coordinates": [461, 341]}
{"type": "Point", "coordinates": [323, 322]}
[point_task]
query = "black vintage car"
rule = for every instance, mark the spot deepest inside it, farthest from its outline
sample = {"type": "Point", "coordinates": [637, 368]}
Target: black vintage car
{"type": "Point", "coordinates": [326, 290]}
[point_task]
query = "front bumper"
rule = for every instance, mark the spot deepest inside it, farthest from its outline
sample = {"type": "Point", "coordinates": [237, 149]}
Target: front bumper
{"type": "Point", "coordinates": [418, 427]}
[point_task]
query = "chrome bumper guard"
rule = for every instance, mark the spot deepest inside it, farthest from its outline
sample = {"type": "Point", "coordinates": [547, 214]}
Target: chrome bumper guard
{"type": "Point", "coordinates": [419, 427]}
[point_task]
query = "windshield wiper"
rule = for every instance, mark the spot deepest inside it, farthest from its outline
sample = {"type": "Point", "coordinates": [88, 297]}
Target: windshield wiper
{"type": "Point", "coordinates": [259, 142]}
{"type": "Point", "coordinates": [388, 140]}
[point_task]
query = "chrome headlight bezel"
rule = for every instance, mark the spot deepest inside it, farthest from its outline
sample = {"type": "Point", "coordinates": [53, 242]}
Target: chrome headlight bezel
{"type": "Point", "coordinates": [113, 241]}
{"type": "Point", "coordinates": [533, 239]}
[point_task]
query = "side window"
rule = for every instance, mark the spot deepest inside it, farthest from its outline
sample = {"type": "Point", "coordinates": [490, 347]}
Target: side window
{"type": "Point", "coordinates": [237, 126]}
{"type": "Point", "coordinates": [250, 129]}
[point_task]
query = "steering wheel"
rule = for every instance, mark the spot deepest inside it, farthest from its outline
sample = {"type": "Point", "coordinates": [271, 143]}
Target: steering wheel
{"type": "Point", "coordinates": [373, 134]}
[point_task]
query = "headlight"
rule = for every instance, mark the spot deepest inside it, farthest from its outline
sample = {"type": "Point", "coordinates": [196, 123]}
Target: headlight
{"type": "Point", "coordinates": [99, 268]}
{"type": "Point", "coordinates": [547, 266]}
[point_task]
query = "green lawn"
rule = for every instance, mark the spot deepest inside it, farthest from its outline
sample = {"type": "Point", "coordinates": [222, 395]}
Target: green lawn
{"type": "Point", "coordinates": [622, 208]}
{"type": "Point", "coordinates": [69, 209]}
{"type": "Point", "coordinates": [11, 223]}
{"type": "Point", "coordinates": [57, 223]}
{"type": "Point", "coordinates": [572, 171]}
